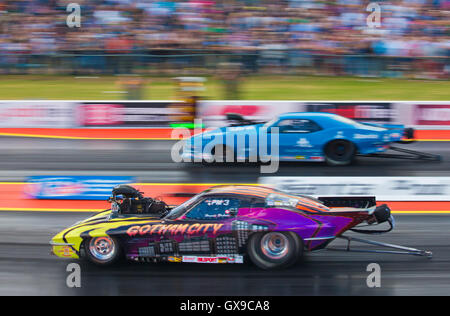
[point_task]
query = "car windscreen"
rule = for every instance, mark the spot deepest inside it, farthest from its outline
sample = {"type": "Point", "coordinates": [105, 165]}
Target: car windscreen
{"type": "Point", "coordinates": [180, 209]}
{"type": "Point", "coordinates": [348, 121]}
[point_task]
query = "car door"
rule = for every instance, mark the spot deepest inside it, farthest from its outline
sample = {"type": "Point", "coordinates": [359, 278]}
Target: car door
{"type": "Point", "coordinates": [209, 226]}
{"type": "Point", "coordinates": [299, 139]}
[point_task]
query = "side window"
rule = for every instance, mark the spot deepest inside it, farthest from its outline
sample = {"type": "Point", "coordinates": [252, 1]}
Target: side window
{"type": "Point", "coordinates": [298, 126]}
{"type": "Point", "coordinates": [214, 208]}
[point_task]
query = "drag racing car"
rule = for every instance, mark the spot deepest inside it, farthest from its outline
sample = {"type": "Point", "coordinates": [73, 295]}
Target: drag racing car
{"type": "Point", "coordinates": [224, 224]}
{"type": "Point", "coordinates": [300, 136]}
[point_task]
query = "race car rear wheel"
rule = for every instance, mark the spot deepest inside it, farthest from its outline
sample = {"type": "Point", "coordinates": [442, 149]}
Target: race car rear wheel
{"type": "Point", "coordinates": [274, 249]}
{"type": "Point", "coordinates": [103, 250]}
{"type": "Point", "coordinates": [340, 152]}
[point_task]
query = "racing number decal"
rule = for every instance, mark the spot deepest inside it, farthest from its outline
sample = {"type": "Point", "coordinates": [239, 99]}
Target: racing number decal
{"type": "Point", "coordinates": [218, 202]}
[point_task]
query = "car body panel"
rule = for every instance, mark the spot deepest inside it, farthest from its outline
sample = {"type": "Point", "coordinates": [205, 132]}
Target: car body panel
{"type": "Point", "coordinates": [226, 234]}
{"type": "Point", "coordinates": [246, 141]}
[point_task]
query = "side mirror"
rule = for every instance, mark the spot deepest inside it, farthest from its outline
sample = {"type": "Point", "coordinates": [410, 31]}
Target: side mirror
{"type": "Point", "coordinates": [233, 211]}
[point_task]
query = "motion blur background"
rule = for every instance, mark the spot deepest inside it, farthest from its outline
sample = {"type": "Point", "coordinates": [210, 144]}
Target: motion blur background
{"type": "Point", "coordinates": [59, 159]}
{"type": "Point", "coordinates": [244, 49]}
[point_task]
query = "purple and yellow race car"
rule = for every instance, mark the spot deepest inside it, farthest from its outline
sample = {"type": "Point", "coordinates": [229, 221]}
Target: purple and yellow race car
{"type": "Point", "coordinates": [224, 224]}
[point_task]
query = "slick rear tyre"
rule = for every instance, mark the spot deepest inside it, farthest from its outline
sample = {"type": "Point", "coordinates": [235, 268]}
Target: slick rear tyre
{"type": "Point", "coordinates": [274, 250]}
{"type": "Point", "coordinates": [340, 153]}
{"type": "Point", "coordinates": [103, 251]}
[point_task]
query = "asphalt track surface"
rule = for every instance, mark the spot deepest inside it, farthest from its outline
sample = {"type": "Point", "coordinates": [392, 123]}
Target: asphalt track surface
{"type": "Point", "coordinates": [150, 161]}
{"type": "Point", "coordinates": [27, 268]}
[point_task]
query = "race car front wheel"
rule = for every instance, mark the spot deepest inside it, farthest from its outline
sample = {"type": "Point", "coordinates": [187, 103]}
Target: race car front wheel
{"type": "Point", "coordinates": [340, 153]}
{"type": "Point", "coordinates": [103, 250]}
{"type": "Point", "coordinates": [274, 249]}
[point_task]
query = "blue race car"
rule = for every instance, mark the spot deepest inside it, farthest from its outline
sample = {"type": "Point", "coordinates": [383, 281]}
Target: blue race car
{"type": "Point", "coordinates": [300, 136]}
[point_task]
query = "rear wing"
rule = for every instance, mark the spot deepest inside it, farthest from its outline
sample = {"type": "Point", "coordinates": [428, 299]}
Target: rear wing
{"type": "Point", "coordinates": [407, 132]}
{"type": "Point", "coordinates": [235, 119]}
{"type": "Point", "coordinates": [349, 201]}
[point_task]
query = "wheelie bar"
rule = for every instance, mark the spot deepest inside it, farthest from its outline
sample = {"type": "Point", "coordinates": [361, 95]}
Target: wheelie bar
{"type": "Point", "coordinates": [401, 250]}
{"type": "Point", "coordinates": [407, 154]}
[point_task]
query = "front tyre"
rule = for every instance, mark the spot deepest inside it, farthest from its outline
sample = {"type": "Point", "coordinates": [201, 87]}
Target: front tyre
{"type": "Point", "coordinates": [274, 249]}
{"type": "Point", "coordinates": [103, 251]}
{"type": "Point", "coordinates": [223, 154]}
{"type": "Point", "coordinates": [340, 153]}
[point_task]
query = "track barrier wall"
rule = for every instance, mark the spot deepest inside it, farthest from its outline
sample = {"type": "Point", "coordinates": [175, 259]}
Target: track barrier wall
{"type": "Point", "coordinates": [412, 195]}
{"type": "Point", "coordinates": [153, 120]}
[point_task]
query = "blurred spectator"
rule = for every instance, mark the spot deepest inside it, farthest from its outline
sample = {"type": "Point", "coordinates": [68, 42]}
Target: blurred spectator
{"type": "Point", "coordinates": [133, 86]}
{"type": "Point", "coordinates": [230, 73]}
{"type": "Point", "coordinates": [318, 36]}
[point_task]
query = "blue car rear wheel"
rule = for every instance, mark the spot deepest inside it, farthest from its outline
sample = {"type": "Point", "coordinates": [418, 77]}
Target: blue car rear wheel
{"type": "Point", "coordinates": [340, 152]}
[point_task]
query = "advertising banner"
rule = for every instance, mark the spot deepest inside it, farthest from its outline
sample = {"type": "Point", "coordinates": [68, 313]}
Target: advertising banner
{"type": "Point", "coordinates": [384, 188]}
{"type": "Point", "coordinates": [381, 112]}
{"type": "Point", "coordinates": [432, 114]}
{"type": "Point", "coordinates": [213, 113]}
{"type": "Point", "coordinates": [127, 114]}
{"type": "Point", "coordinates": [36, 114]}
{"type": "Point", "coordinates": [137, 114]}
{"type": "Point", "coordinates": [73, 187]}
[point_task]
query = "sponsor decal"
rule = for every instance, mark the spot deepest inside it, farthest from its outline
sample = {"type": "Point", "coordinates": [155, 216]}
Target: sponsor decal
{"type": "Point", "coordinates": [207, 260]}
{"type": "Point", "coordinates": [64, 251]}
{"type": "Point", "coordinates": [226, 215]}
{"type": "Point", "coordinates": [174, 259]}
{"type": "Point", "coordinates": [365, 136]}
{"type": "Point", "coordinates": [189, 259]}
{"type": "Point", "coordinates": [305, 158]}
{"type": "Point", "coordinates": [173, 229]}
{"type": "Point", "coordinates": [226, 259]}
{"type": "Point", "coordinates": [304, 143]}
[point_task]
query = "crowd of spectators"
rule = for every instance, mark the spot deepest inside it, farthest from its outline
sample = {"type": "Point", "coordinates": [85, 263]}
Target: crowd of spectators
{"type": "Point", "coordinates": [290, 33]}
